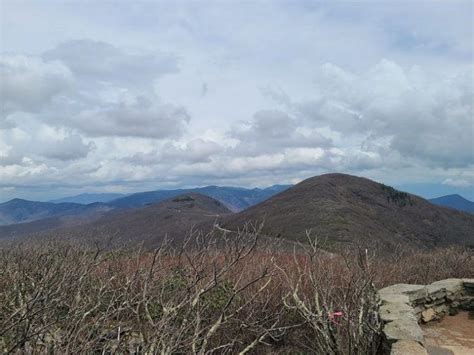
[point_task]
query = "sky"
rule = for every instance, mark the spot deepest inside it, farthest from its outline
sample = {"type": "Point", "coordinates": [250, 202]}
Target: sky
{"type": "Point", "coordinates": [125, 96]}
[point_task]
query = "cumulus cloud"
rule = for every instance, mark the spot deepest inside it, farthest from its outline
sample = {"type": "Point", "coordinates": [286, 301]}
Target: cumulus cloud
{"type": "Point", "coordinates": [103, 62]}
{"type": "Point", "coordinates": [156, 121]}
{"type": "Point", "coordinates": [425, 116]}
{"type": "Point", "coordinates": [274, 129]}
{"type": "Point", "coordinates": [118, 98]}
{"type": "Point", "coordinates": [71, 147]}
{"type": "Point", "coordinates": [98, 89]}
{"type": "Point", "coordinates": [29, 83]}
{"type": "Point", "coordinates": [195, 151]}
{"type": "Point", "coordinates": [116, 108]}
{"type": "Point", "coordinates": [456, 182]}
{"type": "Point", "coordinates": [24, 147]}
{"type": "Point", "coordinates": [8, 156]}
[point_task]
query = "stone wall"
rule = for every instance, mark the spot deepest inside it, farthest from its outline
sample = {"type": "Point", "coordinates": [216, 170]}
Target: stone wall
{"type": "Point", "coordinates": [403, 307]}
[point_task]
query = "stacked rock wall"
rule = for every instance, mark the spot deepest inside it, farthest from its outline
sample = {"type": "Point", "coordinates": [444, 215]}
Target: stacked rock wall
{"type": "Point", "coordinates": [403, 307]}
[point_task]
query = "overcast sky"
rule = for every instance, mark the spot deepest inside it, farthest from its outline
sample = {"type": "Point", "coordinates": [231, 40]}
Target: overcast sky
{"type": "Point", "coordinates": [123, 96]}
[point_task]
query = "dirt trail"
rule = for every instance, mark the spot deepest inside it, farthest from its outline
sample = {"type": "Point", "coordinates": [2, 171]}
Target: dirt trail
{"type": "Point", "coordinates": [454, 335]}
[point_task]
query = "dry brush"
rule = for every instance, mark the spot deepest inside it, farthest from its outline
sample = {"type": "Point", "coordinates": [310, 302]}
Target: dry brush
{"type": "Point", "coordinates": [218, 293]}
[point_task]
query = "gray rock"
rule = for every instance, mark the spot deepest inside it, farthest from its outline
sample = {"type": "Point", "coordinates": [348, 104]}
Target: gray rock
{"type": "Point", "coordinates": [469, 286]}
{"type": "Point", "coordinates": [466, 303]}
{"type": "Point", "coordinates": [414, 292]}
{"type": "Point", "coordinates": [403, 329]}
{"type": "Point", "coordinates": [441, 310]}
{"type": "Point", "coordinates": [419, 309]}
{"type": "Point", "coordinates": [393, 298]}
{"type": "Point", "coordinates": [468, 282]}
{"type": "Point", "coordinates": [393, 311]}
{"type": "Point", "coordinates": [439, 301]}
{"type": "Point", "coordinates": [405, 347]}
{"type": "Point", "coordinates": [436, 291]}
{"type": "Point", "coordinates": [451, 285]}
{"type": "Point", "coordinates": [402, 305]}
{"type": "Point", "coordinates": [435, 303]}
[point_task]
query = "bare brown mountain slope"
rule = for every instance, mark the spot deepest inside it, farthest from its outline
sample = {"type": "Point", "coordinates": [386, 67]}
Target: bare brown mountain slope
{"type": "Point", "coordinates": [172, 218]}
{"type": "Point", "coordinates": [349, 209]}
{"type": "Point", "coordinates": [47, 225]}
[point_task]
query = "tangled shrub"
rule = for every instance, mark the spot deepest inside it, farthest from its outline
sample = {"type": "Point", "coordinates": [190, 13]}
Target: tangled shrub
{"type": "Point", "coordinates": [65, 299]}
{"type": "Point", "coordinates": [218, 293]}
{"type": "Point", "coordinates": [336, 298]}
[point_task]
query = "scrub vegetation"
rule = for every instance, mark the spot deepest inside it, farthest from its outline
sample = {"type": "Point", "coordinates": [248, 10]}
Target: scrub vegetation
{"type": "Point", "coordinates": [217, 293]}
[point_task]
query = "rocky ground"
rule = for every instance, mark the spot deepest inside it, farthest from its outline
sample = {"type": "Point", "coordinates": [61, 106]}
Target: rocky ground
{"type": "Point", "coordinates": [453, 335]}
{"type": "Point", "coordinates": [404, 307]}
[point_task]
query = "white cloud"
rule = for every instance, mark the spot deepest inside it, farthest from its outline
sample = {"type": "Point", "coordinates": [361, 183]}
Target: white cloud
{"type": "Point", "coordinates": [94, 87]}
{"type": "Point", "coordinates": [106, 93]}
{"type": "Point", "coordinates": [194, 151]}
{"type": "Point", "coordinates": [71, 147]}
{"type": "Point", "coordinates": [28, 83]}
{"type": "Point", "coordinates": [456, 182]}
{"type": "Point", "coordinates": [33, 144]}
{"type": "Point", "coordinates": [154, 121]}
{"type": "Point", "coordinates": [271, 130]}
{"type": "Point", "coordinates": [101, 62]}
{"type": "Point", "coordinates": [426, 116]}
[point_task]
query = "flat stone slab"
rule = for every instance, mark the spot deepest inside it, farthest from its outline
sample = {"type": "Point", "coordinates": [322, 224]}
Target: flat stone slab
{"type": "Point", "coordinates": [435, 302]}
{"type": "Point", "coordinates": [393, 311]}
{"type": "Point", "coordinates": [403, 329]}
{"type": "Point", "coordinates": [451, 285]}
{"type": "Point", "coordinates": [405, 347]}
{"type": "Point", "coordinates": [468, 282]}
{"type": "Point", "coordinates": [402, 306]}
{"type": "Point", "coordinates": [436, 291]}
{"type": "Point", "coordinates": [393, 298]}
{"type": "Point", "coordinates": [414, 292]}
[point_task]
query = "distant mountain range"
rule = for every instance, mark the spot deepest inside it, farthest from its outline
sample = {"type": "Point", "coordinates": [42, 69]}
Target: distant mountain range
{"type": "Point", "coordinates": [23, 211]}
{"type": "Point", "coordinates": [339, 208]}
{"type": "Point", "coordinates": [88, 198]}
{"type": "Point", "coordinates": [456, 202]}
{"type": "Point", "coordinates": [235, 198]}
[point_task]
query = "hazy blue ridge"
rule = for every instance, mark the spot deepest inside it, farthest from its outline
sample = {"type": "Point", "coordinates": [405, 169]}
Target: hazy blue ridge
{"type": "Point", "coordinates": [235, 198]}
{"type": "Point", "coordinates": [455, 201]}
{"type": "Point", "coordinates": [87, 198]}
{"type": "Point", "coordinates": [20, 211]}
